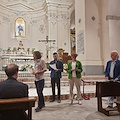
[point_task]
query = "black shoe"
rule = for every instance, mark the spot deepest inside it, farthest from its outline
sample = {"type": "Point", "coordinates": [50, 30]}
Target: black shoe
{"type": "Point", "coordinates": [43, 106]}
{"type": "Point", "coordinates": [109, 108]}
{"type": "Point", "coordinates": [52, 100]}
{"type": "Point", "coordinates": [37, 109]}
{"type": "Point", "coordinates": [59, 101]}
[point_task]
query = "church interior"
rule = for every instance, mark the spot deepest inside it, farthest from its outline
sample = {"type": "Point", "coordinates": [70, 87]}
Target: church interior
{"type": "Point", "coordinates": [89, 28]}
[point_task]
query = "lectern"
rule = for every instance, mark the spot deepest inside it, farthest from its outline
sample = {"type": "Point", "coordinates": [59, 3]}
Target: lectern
{"type": "Point", "coordinates": [105, 89]}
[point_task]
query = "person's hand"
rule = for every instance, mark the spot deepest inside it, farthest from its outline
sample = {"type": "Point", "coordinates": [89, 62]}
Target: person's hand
{"type": "Point", "coordinates": [76, 69]}
{"type": "Point", "coordinates": [72, 69]}
{"type": "Point", "coordinates": [34, 73]}
{"type": "Point", "coordinates": [106, 78]}
{"type": "Point", "coordinates": [116, 79]}
{"type": "Point", "coordinates": [56, 70]}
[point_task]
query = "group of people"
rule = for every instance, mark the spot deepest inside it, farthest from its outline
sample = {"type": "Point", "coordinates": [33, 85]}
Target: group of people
{"type": "Point", "coordinates": [56, 67]}
{"type": "Point", "coordinates": [11, 88]}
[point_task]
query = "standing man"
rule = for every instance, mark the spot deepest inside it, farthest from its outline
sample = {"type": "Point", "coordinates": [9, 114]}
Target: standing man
{"type": "Point", "coordinates": [56, 67]}
{"type": "Point", "coordinates": [11, 88]}
{"type": "Point", "coordinates": [39, 70]}
{"type": "Point", "coordinates": [112, 72]}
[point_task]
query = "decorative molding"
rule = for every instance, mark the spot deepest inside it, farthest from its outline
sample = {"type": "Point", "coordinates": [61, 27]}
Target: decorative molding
{"type": "Point", "coordinates": [42, 28]}
{"type": "Point", "coordinates": [26, 5]}
{"type": "Point", "coordinates": [6, 19]}
{"type": "Point", "coordinates": [33, 22]}
{"type": "Point", "coordinates": [65, 18]}
{"type": "Point", "coordinates": [112, 17]}
{"type": "Point", "coordinates": [53, 17]}
{"type": "Point", "coordinates": [20, 4]}
{"type": "Point", "coordinates": [9, 1]}
{"type": "Point", "coordinates": [93, 18]}
{"type": "Point", "coordinates": [20, 13]}
{"type": "Point", "coordinates": [61, 2]}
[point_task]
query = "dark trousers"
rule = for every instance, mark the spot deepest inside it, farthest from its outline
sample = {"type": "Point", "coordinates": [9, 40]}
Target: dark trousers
{"type": "Point", "coordinates": [39, 87]}
{"type": "Point", "coordinates": [57, 81]}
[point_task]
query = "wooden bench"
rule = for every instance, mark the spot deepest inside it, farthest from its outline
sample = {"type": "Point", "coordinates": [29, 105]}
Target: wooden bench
{"type": "Point", "coordinates": [18, 103]}
{"type": "Point", "coordinates": [105, 89]}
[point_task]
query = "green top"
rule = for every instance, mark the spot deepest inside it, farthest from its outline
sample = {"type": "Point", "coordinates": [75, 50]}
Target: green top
{"type": "Point", "coordinates": [78, 73]}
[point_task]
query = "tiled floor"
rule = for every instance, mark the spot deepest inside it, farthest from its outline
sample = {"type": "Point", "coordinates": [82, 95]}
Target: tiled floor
{"type": "Point", "coordinates": [64, 111]}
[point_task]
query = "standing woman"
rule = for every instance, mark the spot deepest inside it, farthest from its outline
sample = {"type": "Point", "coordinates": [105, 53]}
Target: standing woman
{"type": "Point", "coordinates": [74, 70]}
{"type": "Point", "coordinates": [39, 69]}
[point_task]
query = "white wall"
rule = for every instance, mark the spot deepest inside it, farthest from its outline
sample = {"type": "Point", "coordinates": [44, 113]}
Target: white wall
{"type": "Point", "coordinates": [110, 28]}
{"type": "Point", "coordinates": [80, 15]}
{"type": "Point", "coordinates": [43, 15]}
{"type": "Point", "coordinates": [114, 25]}
{"type": "Point", "coordinates": [93, 33]}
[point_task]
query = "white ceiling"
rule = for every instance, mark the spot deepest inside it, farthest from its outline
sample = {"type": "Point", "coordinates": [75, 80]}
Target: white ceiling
{"type": "Point", "coordinates": [31, 5]}
{"type": "Point", "coordinates": [22, 5]}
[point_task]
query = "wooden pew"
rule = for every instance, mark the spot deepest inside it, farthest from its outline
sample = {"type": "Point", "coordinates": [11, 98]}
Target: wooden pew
{"type": "Point", "coordinates": [105, 89]}
{"type": "Point", "coordinates": [18, 103]}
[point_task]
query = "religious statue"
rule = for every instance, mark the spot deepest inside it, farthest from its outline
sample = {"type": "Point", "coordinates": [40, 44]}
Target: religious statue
{"type": "Point", "coordinates": [20, 44]}
{"type": "Point", "coordinates": [20, 29]}
{"type": "Point", "coordinates": [60, 52]}
{"type": "Point", "coordinates": [21, 48]}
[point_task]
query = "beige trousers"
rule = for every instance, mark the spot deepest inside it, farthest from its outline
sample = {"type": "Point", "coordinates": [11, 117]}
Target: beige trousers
{"type": "Point", "coordinates": [77, 82]}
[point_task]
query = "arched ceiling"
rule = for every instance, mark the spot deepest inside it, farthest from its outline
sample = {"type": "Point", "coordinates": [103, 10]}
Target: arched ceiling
{"type": "Point", "coordinates": [30, 5]}
{"type": "Point", "coordinates": [22, 5]}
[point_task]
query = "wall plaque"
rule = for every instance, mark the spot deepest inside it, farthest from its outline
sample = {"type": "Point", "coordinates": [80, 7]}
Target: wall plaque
{"type": "Point", "coordinates": [80, 42]}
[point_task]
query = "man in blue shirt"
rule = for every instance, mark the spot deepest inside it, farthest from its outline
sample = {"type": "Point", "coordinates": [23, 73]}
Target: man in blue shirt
{"type": "Point", "coordinates": [56, 67]}
{"type": "Point", "coordinates": [112, 72]}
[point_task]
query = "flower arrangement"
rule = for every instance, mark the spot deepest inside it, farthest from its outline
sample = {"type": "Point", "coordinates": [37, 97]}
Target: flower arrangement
{"type": "Point", "coordinates": [26, 67]}
{"type": "Point", "coordinates": [28, 51]}
{"type": "Point", "coordinates": [9, 50]}
{"type": "Point", "coordinates": [65, 66]}
{"type": "Point", "coordinates": [33, 49]}
{"type": "Point", "coordinates": [14, 49]}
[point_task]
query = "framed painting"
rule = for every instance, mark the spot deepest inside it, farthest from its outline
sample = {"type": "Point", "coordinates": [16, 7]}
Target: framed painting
{"type": "Point", "coordinates": [20, 27]}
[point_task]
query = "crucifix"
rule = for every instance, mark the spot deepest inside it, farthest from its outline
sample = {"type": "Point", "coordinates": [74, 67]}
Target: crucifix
{"type": "Point", "coordinates": [47, 46]}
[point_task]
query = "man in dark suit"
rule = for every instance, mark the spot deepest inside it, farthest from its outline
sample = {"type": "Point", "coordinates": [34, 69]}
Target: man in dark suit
{"type": "Point", "coordinates": [56, 67]}
{"type": "Point", "coordinates": [112, 73]}
{"type": "Point", "coordinates": [11, 88]}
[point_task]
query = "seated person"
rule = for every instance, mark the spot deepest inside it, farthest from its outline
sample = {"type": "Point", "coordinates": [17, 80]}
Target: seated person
{"type": "Point", "coordinates": [11, 88]}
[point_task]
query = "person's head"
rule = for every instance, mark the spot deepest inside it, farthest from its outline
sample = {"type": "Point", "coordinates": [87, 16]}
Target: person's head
{"type": "Point", "coordinates": [36, 55]}
{"type": "Point", "coordinates": [73, 56]}
{"type": "Point", "coordinates": [55, 56]}
{"type": "Point", "coordinates": [12, 70]}
{"type": "Point", "coordinates": [114, 55]}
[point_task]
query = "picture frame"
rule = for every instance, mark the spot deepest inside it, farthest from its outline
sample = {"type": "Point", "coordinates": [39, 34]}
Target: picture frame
{"type": "Point", "coordinates": [20, 27]}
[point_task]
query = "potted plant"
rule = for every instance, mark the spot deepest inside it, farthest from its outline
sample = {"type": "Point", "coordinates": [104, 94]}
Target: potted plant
{"type": "Point", "coordinates": [28, 50]}
{"type": "Point", "coordinates": [33, 49]}
{"type": "Point", "coordinates": [14, 50]}
{"type": "Point", "coordinates": [9, 50]}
